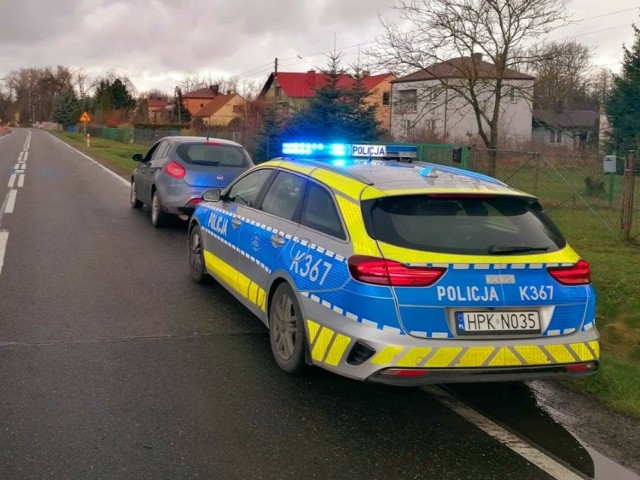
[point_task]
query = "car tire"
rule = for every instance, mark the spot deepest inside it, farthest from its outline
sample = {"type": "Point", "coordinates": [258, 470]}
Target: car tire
{"type": "Point", "coordinates": [135, 203]}
{"type": "Point", "coordinates": [286, 330]}
{"type": "Point", "coordinates": [196, 256]}
{"type": "Point", "coordinates": [159, 218]}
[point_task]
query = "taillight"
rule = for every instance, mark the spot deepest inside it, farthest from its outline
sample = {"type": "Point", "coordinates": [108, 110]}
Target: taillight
{"type": "Point", "coordinates": [193, 202]}
{"type": "Point", "coordinates": [578, 274]}
{"type": "Point", "coordinates": [389, 272]}
{"type": "Point", "coordinates": [175, 170]}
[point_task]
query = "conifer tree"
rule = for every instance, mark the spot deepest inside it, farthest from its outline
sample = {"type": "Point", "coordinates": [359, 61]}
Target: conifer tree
{"type": "Point", "coordinates": [623, 102]}
{"type": "Point", "coordinates": [66, 110]}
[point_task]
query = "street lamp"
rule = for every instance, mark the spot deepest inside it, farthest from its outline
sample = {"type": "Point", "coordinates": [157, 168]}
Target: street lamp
{"type": "Point", "coordinates": [178, 102]}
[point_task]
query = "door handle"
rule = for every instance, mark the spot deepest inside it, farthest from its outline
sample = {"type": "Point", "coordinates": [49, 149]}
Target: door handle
{"type": "Point", "coordinates": [277, 240]}
{"type": "Point", "coordinates": [236, 222]}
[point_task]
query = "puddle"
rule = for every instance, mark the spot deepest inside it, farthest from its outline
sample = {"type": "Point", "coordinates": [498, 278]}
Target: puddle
{"type": "Point", "coordinates": [516, 407]}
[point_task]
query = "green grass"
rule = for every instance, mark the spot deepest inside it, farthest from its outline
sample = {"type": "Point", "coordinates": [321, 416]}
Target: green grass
{"type": "Point", "coordinates": [589, 220]}
{"type": "Point", "coordinates": [113, 154]}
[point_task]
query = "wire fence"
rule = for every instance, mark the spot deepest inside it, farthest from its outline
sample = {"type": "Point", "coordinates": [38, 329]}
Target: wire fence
{"type": "Point", "coordinates": [573, 188]}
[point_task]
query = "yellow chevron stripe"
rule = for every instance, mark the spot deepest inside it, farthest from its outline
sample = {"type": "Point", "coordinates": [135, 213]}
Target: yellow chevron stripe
{"type": "Point", "coordinates": [532, 354]}
{"type": "Point", "coordinates": [582, 351]}
{"type": "Point", "coordinates": [337, 349]}
{"type": "Point", "coordinates": [504, 358]}
{"type": "Point", "coordinates": [313, 329]}
{"type": "Point", "coordinates": [560, 353]}
{"type": "Point", "coordinates": [414, 357]}
{"type": "Point", "coordinates": [475, 356]}
{"type": "Point", "coordinates": [443, 357]}
{"type": "Point", "coordinates": [386, 355]}
{"type": "Point", "coordinates": [261, 303]}
{"type": "Point", "coordinates": [595, 346]}
{"type": "Point", "coordinates": [320, 347]}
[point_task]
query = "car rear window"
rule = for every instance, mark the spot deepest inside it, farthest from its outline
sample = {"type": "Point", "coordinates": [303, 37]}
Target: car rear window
{"type": "Point", "coordinates": [213, 154]}
{"type": "Point", "coordinates": [471, 225]}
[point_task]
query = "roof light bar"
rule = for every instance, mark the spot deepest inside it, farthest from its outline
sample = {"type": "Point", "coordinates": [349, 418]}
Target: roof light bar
{"type": "Point", "coordinates": [346, 150]}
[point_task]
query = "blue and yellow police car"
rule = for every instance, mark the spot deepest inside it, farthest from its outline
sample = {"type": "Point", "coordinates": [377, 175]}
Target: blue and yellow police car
{"type": "Point", "coordinates": [369, 264]}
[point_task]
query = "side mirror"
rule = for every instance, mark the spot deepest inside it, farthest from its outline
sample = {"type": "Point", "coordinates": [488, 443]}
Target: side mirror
{"type": "Point", "coordinates": [212, 195]}
{"type": "Point", "coordinates": [138, 157]}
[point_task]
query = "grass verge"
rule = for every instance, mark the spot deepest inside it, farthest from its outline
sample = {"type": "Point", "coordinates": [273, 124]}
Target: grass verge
{"type": "Point", "coordinates": [615, 271]}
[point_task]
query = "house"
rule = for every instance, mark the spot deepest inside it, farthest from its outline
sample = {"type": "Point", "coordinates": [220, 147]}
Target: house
{"type": "Point", "coordinates": [222, 110]}
{"type": "Point", "coordinates": [424, 103]}
{"type": "Point", "coordinates": [197, 99]}
{"type": "Point", "coordinates": [159, 110]}
{"type": "Point", "coordinates": [572, 129]}
{"type": "Point", "coordinates": [292, 90]}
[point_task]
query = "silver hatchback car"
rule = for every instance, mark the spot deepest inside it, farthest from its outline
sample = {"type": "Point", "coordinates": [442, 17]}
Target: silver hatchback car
{"type": "Point", "coordinates": [172, 176]}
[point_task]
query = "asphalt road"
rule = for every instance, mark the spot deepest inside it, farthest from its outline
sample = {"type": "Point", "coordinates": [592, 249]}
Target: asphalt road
{"type": "Point", "coordinates": [114, 365]}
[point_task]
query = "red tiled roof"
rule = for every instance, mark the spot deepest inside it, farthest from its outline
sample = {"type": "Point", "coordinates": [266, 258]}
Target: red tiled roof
{"type": "Point", "coordinates": [207, 92]}
{"type": "Point", "coordinates": [157, 103]}
{"type": "Point", "coordinates": [304, 84]}
{"type": "Point", "coordinates": [462, 67]}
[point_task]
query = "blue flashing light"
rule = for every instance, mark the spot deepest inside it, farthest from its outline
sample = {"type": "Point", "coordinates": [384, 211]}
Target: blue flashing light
{"type": "Point", "coordinates": [339, 162]}
{"type": "Point", "coordinates": [314, 149]}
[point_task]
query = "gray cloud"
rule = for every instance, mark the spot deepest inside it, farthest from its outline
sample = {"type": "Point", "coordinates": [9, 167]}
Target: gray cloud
{"type": "Point", "coordinates": [154, 42]}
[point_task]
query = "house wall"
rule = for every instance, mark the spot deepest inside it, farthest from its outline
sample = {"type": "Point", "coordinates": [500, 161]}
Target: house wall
{"type": "Point", "coordinates": [452, 118]}
{"type": "Point", "coordinates": [564, 138]}
{"type": "Point", "coordinates": [383, 112]}
{"type": "Point", "coordinates": [225, 114]}
{"type": "Point", "coordinates": [194, 105]}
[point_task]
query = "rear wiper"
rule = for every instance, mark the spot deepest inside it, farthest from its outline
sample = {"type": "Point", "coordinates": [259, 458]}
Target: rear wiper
{"type": "Point", "coordinates": [497, 249]}
{"type": "Point", "coordinates": [205, 162]}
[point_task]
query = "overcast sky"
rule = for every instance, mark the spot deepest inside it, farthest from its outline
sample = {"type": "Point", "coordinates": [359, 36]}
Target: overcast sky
{"type": "Point", "coordinates": [155, 42]}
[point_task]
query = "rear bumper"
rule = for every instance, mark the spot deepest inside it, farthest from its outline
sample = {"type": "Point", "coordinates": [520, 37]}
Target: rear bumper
{"type": "Point", "coordinates": [367, 353]}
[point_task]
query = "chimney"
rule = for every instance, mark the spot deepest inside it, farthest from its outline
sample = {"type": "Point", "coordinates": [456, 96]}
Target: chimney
{"type": "Point", "coordinates": [215, 89]}
{"type": "Point", "coordinates": [477, 57]}
{"type": "Point", "coordinates": [311, 78]}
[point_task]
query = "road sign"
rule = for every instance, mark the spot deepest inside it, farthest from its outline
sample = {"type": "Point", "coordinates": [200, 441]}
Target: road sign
{"type": "Point", "coordinates": [85, 117]}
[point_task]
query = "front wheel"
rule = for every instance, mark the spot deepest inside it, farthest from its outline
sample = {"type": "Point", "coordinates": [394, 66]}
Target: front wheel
{"type": "Point", "coordinates": [286, 330]}
{"type": "Point", "coordinates": [159, 218]}
{"type": "Point", "coordinates": [196, 256]}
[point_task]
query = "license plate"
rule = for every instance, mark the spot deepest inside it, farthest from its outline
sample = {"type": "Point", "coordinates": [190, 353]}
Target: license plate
{"type": "Point", "coordinates": [511, 321]}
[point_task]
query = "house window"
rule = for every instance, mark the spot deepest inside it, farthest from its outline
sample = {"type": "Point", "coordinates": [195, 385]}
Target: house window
{"type": "Point", "coordinates": [408, 127]}
{"type": "Point", "coordinates": [201, 105]}
{"type": "Point", "coordinates": [431, 94]}
{"type": "Point", "coordinates": [512, 95]}
{"type": "Point", "coordinates": [237, 109]}
{"type": "Point", "coordinates": [386, 98]}
{"type": "Point", "coordinates": [407, 100]}
{"type": "Point", "coordinates": [555, 136]}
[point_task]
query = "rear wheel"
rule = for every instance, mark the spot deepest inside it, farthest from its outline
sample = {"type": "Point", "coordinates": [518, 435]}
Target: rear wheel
{"type": "Point", "coordinates": [159, 218]}
{"type": "Point", "coordinates": [286, 330]}
{"type": "Point", "coordinates": [196, 256]}
{"type": "Point", "coordinates": [135, 203]}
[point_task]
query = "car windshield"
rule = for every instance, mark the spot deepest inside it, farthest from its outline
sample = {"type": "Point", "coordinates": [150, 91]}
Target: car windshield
{"type": "Point", "coordinates": [213, 154]}
{"type": "Point", "coordinates": [471, 225]}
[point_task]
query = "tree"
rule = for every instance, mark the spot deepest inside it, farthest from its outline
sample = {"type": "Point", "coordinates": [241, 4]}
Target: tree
{"type": "Point", "coordinates": [563, 76]}
{"type": "Point", "coordinates": [67, 108]}
{"type": "Point", "coordinates": [180, 112]}
{"type": "Point", "coordinates": [337, 111]}
{"type": "Point", "coordinates": [440, 30]}
{"type": "Point", "coordinates": [623, 102]}
{"type": "Point", "coordinates": [269, 136]}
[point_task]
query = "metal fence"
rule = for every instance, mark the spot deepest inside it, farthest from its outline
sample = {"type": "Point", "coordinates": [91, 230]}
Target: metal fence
{"type": "Point", "coordinates": [573, 188]}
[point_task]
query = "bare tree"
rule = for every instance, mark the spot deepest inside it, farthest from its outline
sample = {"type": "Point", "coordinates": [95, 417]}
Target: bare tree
{"type": "Point", "coordinates": [442, 30]}
{"type": "Point", "coordinates": [563, 75]}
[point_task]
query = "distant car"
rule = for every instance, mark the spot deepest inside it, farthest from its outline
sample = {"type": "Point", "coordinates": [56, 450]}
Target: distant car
{"type": "Point", "coordinates": [398, 272]}
{"type": "Point", "coordinates": [176, 171]}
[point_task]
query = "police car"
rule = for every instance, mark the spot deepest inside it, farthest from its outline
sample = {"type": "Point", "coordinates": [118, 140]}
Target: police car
{"type": "Point", "coordinates": [369, 264]}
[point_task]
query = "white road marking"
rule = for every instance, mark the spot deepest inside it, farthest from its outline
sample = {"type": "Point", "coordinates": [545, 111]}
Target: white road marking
{"type": "Point", "coordinates": [4, 237]}
{"type": "Point", "coordinates": [530, 453]}
{"type": "Point", "coordinates": [112, 173]}
{"type": "Point", "coordinates": [26, 154]}
{"type": "Point", "coordinates": [12, 180]}
{"type": "Point", "coordinates": [21, 180]}
{"type": "Point", "coordinates": [16, 166]}
{"type": "Point", "coordinates": [20, 157]}
{"type": "Point", "coordinates": [11, 201]}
